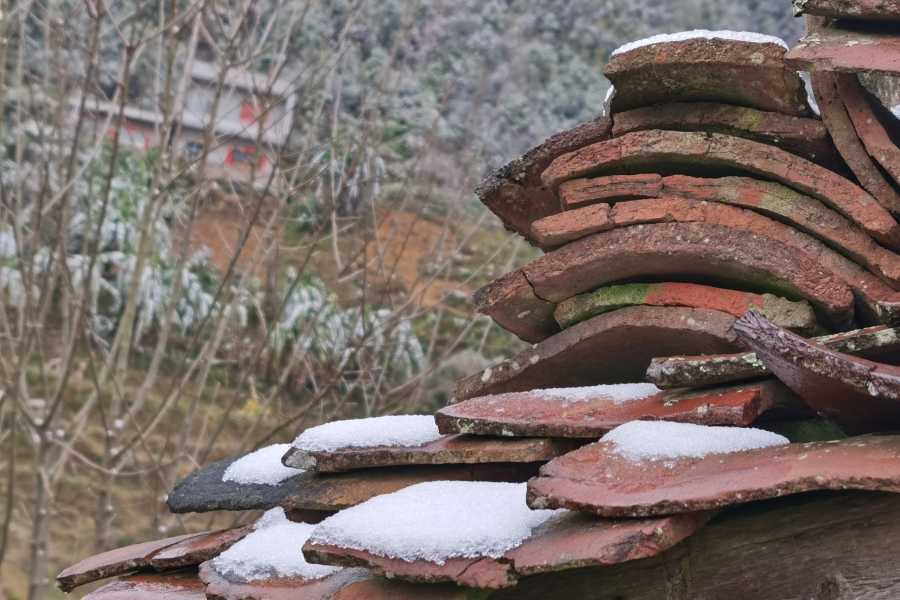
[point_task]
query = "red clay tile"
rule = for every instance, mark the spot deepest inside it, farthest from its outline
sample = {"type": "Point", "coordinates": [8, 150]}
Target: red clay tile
{"type": "Point", "coordinates": [711, 154]}
{"type": "Point", "coordinates": [453, 449]}
{"type": "Point", "coordinates": [860, 394]}
{"type": "Point", "coordinates": [611, 348]}
{"type": "Point", "coordinates": [804, 137]}
{"type": "Point", "coordinates": [875, 10]}
{"type": "Point", "coordinates": [848, 143]}
{"type": "Point", "coordinates": [690, 371]}
{"type": "Point", "coordinates": [180, 585]}
{"type": "Point", "coordinates": [869, 129]}
{"type": "Point", "coordinates": [542, 413]}
{"type": "Point", "coordinates": [598, 480]}
{"type": "Point", "coordinates": [114, 562]}
{"type": "Point", "coordinates": [219, 587]}
{"type": "Point", "coordinates": [867, 288]}
{"type": "Point", "coordinates": [564, 542]}
{"type": "Point", "coordinates": [558, 230]}
{"type": "Point", "coordinates": [706, 70]}
{"type": "Point", "coordinates": [515, 192]}
{"type": "Point", "coordinates": [727, 257]}
{"type": "Point", "coordinates": [198, 549]}
{"type": "Point", "coordinates": [510, 301]}
{"type": "Point", "coordinates": [796, 316]}
{"type": "Point", "coordinates": [846, 49]}
{"type": "Point", "coordinates": [576, 193]}
{"type": "Point", "coordinates": [395, 589]}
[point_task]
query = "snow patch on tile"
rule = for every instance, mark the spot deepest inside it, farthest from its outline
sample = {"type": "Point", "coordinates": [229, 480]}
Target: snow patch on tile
{"type": "Point", "coordinates": [618, 393]}
{"type": "Point", "coordinates": [407, 431]}
{"type": "Point", "coordinates": [739, 36]}
{"type": "Point", "coordinates": [271, 550]}
{"type": "Point", "coordinates": [435, 521]}
{"type": "Point", "coordinates": [662, 440]}
{"type": "Point", "coordinates": [261, 467]}
{"type": "Point", "coordinates": [896, 111]}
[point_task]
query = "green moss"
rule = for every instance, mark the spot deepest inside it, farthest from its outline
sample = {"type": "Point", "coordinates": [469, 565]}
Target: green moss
{"type": "Point", "coordinates": [606, 299]}
{"type": "Point", "coordinates": [812, 430]}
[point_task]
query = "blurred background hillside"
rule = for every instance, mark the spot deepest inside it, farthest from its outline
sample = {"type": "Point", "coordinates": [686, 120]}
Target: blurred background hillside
{"type": "Point", "coordinates": [225, 221]}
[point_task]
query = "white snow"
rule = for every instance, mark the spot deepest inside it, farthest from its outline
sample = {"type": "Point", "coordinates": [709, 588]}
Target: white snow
{"type": "Point", "coordinates": [896, 111]}
{"type": "Point", "coordinates": [660, 440]}
{"type": "Point", "coordinates": [435, 521]}
{"type": "Point", "coordinates": [618, 393]}
{"type": "Point", "coordinates": [263, 466]}
{"type": "Point", "coordinates": [740, 36]}
{"type": "Point", "coordinates": [407, 431]}
{"type": "Point", "coordinates": [272, 549]}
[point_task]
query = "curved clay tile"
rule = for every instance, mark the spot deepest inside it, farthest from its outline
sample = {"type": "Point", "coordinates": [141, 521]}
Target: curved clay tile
{"type": "Point", "coordinates": [181, 585]}
{"type": "Point", "coordinates": [848, 48]}
{"type": "Point", "coordinates": [565, 542]}
{"type": "Point", "coordinates": [510, 301]}
{"type": "Point", "coordinates": [849, 144]}
{"type": "Point", "coordinates": [674, 152]}
{"type": "Point", "coordinates": [734, 72]}
{"type": "Point", "coordinates": [450, 449]}
{"type": "Point", "coordinates": [804, 137]}
{"type": "Point", "coordinates": [867, 288]}
{"type": "Point", "coordinates": [682, 371]}
{"type": "Point", "coordinates": [548, 412]}
{"type": "Point", "coordinates": [515, 192]}
{"type": "Point", "coordinates": [868, 127]}
{"type": "Point", "coordinates": [196, 550]}
{"type": "Point", "coordinates": [875, 10]}
{"type": "Point", "coordinates": [796, 316]}
{"type": "Point", "coordinates": [611, 348]}
{"type": "Point", "coordinates": [221, 587]}
{"type": "Point", "coordinates": [860, 394]}
{"type": "Point", "coordinates": [204, 490]}
{"type": "Point", "coordinates": [769, 198]}
{"type": "Point", "coordinates": [598, 480]}
{"type": "Point", "coordinates": [709, 253]}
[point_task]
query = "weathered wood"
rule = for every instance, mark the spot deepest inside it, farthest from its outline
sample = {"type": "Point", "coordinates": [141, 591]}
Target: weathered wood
{"type": "Point", "coordinates": [597, 479]}
{"type": "Point", "coordinates": [818, 546]}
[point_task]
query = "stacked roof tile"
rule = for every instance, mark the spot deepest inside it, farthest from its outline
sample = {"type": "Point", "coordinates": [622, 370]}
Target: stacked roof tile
{"type": "Point", "coordinates": [712, 329]}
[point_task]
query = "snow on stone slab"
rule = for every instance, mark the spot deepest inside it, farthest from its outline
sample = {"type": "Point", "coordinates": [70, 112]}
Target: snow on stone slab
{"type": "Point", "coordinates": [273, 549]}
{"type": "Point", "coordinates": [896, 111]}
{"type": "Point", "coordinates": [617, 392]}
{"type": "Point", "coordinates": [406, 431]}
{"type": "Point", "coordinates": [435, 521]}
{"type": "Point", "coordinates": [663, 440]}
{"type": "Point", "coordinates": [738, 36]}
{"type": "Point", "coordinates": [261, 467]}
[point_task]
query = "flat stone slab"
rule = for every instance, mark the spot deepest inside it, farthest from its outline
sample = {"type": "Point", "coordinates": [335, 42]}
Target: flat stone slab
{"type": "Point", "coordinates": [861, 395]}
{"type": "Point", "coordinates": [708, 253]}
{"type": "Point", "coordinates": [867, 288]}
{"type": "Point", "coordinates": [510, 301]}
{"type": "Point", "coordinates": [450, 449]}
{"type": "Point", "coordinates": [198, 549]}
{"type": "Point", "coordinates": [515, 192]}
{"type": "Point", "coordinates": [706, 70]}
{"type": "Point", "coordinates": [180, 585]}
{"type": "Point", "coordinates": [220, 587]}
{"type": "Point", "coordinates": [766, 197]}
{"type": "Point", "coordinates": [204, 490]}
{"type": "Point", "coordinates": [582, 192]}
{"type": "Point", "coordinates": [868, 126]}
{"type": "Point", "coordinates": [692, 371]}
{"type": "Point", "coordinates": [598, 480]}
{"type": "Point", "coordinates": [798, 135]}
{"type": "Point", "coordinates": [839, 123]}
{"type": "Point", "coordinates": [612, 348]}
{"type": "Point", "coordinates": [114, 562]}
{"type": "Point", "coordinates": [796, 316]}
{"type": "Point", "coordinates": [847, 49]}
{"type": "Point", "coordinates": [873, 10]}
{"type": "Point", "coordinates": [543, 412]}
{"type": "Point", "coordinates": [675, 152]}
{"type": "Point", "coordinates": [566, 541]}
